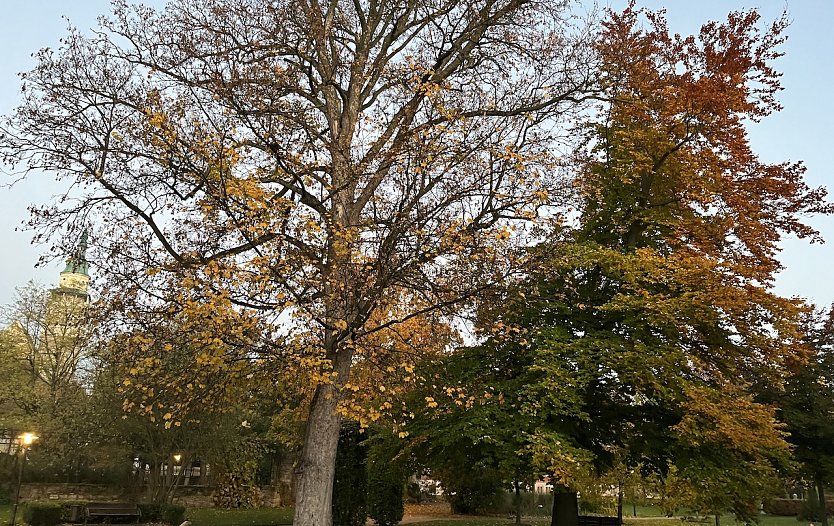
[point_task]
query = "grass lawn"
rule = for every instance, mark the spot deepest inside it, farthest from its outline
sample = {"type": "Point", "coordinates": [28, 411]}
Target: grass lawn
{"type": "Point", "coordinates": [642, 511]}
{"type": "Point", "coordinates": [774, 520]}
{"type": "Point", "coordinates": [726, 520]}
{"type": "Point", "coordinates": [655, 520]}
{"type": "Point", "coordinates": [283, 517]}
{"type": "Point", "coordinates": [485, 521]}
{"type": "Point", "coordinates": [243, 517]}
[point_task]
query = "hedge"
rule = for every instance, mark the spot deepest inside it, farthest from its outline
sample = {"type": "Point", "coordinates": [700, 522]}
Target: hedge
{"type": "Point", "coordinates": [350, 484]}
{"type": "Point", "coordinates": [386, 483]}
{"type": "Point", "coordinates": [791, 507]}
{"type": "Point", "coordinates": [42, 513]}
{"type": "Point", "coordinates": [172, 514]}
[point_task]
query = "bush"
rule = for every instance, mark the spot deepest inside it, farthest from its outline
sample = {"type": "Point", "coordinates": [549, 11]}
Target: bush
{"type": "Point", "coordinates": [413, 495]}
{"type": "Point", "coordinates": [151, 512]}
{"type": "Point", "coordinates": [173, 514]}
{"type": "Point", "coordinates": [385, 492]}
{"type": "Point", "coordinates": [783, 507]}
{"type": "Point", "coordinates": [42, 513]}
{"type": "Point", "coordinates": [801, 509]}
{"type": "Point", "coordinates": [594, 505]}
{"type": "Point", "coordinates": [532, 504]}
{"type": "Point", "coordinates": [350, 485]}
{"type": "Point", "coordinates": [810, 510]}
{"type": "Point", "coordinates": [472, 492]}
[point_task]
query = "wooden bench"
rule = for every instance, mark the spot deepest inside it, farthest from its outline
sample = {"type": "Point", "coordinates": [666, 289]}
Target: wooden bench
{"type": "Point", "coordinates": [594, 520]}
{"type": "Point", "coordinates": [109, 510]}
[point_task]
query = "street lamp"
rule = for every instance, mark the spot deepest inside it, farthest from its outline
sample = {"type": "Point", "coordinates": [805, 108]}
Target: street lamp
{"type": "Point", "coordinates": [174, 474]}
{"type": "Point", "coordinates": [25, 440]}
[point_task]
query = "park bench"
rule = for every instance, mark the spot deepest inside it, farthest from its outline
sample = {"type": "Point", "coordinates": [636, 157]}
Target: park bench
{"type": "Point", "coordinates": [593, 520]}
{"type": "Point", "coordinates": [110, 510]}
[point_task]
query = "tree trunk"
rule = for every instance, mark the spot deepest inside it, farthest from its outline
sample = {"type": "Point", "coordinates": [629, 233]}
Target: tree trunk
{"type": "Point", "coordinates": [517, 499]}
{"type": "Point", "coordinates": [152, 480]}
{"type": "Point", "coordinates": [317, 466]}
{"type": "Point", "coordinates": [717, 520]}
{"type": "Point", "coordinates": [620, 504]}
{"type": "Point", "coordinates": [177, 479]}
{"type": "Point", "coordinates": [565, 507]}
{"type": "Point", "coordinates": [823, 507]}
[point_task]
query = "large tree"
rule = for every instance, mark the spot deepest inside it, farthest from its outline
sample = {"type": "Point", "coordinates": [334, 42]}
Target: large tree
{"type": "Point", "coordinates": [293, 163]}
{"type": "Point", "coordinates": [642, 328]}
{"type": "Point", "coordinates": [664, 290]}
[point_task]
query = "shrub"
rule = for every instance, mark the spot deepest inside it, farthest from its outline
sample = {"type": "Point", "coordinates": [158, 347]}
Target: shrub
{"type": "Point", "coordinates": [413, 495]}
{"type": "Point", "coordinates": [173, 514]}
{"type": "Point", "coordinates": [385, 492]}
{"type": "Point", "coordinates": [593, 505]}
{"type": "Point", "coordinates": [532, 504]}
{"type": "Point", "coordinates": [472, 492]}
{"type": "Point", "coordinates": [350, 485]}
{"type": "Point", "coordinates": [783, 507]}
{"type": "Point", "coordinates": [810, 510]}
{"type": "Point", "coordinates": [42, 513]}
{"type": "Point", "coordinates": [151, 512]}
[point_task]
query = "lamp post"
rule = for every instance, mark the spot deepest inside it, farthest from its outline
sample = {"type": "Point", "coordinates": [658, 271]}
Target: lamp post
{"type": "Point", "coordinates": [174, 475]}
{"type": "Point", "coordinates": [25, 440]}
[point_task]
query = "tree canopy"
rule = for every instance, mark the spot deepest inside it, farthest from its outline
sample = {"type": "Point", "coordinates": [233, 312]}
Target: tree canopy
{"type": "Point", "coordinates": [298, 164]}
{"type": "Point", "coordinates": [642, 327]}
{"type": "Point", "coordinates": [306, 192]}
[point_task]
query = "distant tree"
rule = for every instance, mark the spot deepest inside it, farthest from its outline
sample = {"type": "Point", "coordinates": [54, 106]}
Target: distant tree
{"type": "Point", "coordinates": [17, 394]}
{"type": "Point", "coordinates": [50, 332]}
{"type": "Point", "coordinates": [805, 404]}
{"type": "Point", "coordinates": [47, 339]}
{"type": "Point", "coordinates": [168, 394]}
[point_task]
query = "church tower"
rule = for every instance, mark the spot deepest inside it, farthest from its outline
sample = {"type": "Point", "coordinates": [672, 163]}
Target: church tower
{"type": "Point", "coordinates": [75, 279]}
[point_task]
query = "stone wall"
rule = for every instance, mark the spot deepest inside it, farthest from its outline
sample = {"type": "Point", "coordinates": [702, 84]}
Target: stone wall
{"type": "Point", "coordinates": [69, 492]}
{"type": "Point", "coordinates": [188, 496]}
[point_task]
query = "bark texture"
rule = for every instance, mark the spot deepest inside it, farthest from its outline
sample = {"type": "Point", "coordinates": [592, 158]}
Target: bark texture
{"type": "Point", "coordinates": [565, 508]}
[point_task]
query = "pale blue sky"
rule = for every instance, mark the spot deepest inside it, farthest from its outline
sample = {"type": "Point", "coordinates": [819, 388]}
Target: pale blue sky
{"type": "Point", "coordinates": [802, 131]}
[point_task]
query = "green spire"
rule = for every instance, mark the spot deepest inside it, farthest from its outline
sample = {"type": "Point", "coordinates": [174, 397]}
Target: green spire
{"type": "Point", "coordinates": [77, 262]}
